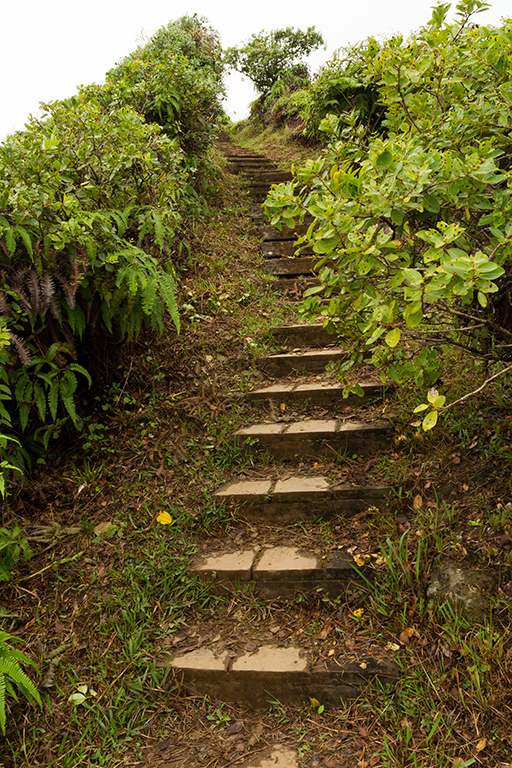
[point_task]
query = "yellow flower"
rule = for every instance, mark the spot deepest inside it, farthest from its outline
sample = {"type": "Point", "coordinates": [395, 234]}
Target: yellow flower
{"type": "Point", "coordinates": [164, 518]}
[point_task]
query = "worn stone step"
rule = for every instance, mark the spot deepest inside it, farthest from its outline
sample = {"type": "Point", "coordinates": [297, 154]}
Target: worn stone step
{"type": "Point", "coordinates": [317, 392]}
{"type": "Point", "coordinates": [315, 438]}
{"type": "Point", "coordinates": [305, 335]}
{"type": "Point", "coordinates": [279, 249]}
{"type": "Point", "coordinates": [280, 571]}
{"type": "Point", "coordinates": [290, 675]}
{"type": "Point", "coordinates": [288, 267]}
{"type": "Point", "coordinates": [312, 361]}
{"type": "Point", "coordinates": [299, 498]}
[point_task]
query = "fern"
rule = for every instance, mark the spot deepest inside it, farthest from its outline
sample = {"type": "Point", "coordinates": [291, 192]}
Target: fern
{"type": "Point", "coordinates": [11, 674]}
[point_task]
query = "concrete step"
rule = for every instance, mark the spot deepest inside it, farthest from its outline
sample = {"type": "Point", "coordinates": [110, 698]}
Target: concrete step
{"type": "Point", "coordinates": [295, 286]}
{"type": "Point", "coordinates": [280, 572]}
{"type": "Point", "coordinates": [288, 267]}
{"type": "Point", "coordinates": [263, 177]}
{"type": "Point", "coordinates": [280, 249]}
{"type": "Point", "coordinates": [305, 335]}
{"type": "Point", "coordinates": [316, 392]}
{"type": "Point", "coordinates": [313, 361]}
{"type": "Point", "coordinates": [290, 675]}
{"type": "Point", "coordinates": [286, 233]}
{"type": "Point", "coordinates": [315, 438]}
{"type": "Point", "coordinates": [297, 498]}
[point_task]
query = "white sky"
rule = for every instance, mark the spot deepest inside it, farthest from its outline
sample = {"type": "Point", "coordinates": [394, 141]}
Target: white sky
{"type": "Point", "coordinates": [48, 48]}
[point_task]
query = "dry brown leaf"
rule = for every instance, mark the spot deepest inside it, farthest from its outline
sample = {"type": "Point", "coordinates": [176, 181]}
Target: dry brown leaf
{"type": "Point", "coordinates": [417, 503]}
{"type": "Point", "coordinates": [404, 638]}
{"type": "Point", "coordinates": [325, 631]}
{"type": "Point", "coordinates": [481, 744]}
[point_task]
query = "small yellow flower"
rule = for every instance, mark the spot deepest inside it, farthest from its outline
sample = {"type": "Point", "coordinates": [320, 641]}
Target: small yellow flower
{"type": "Point", "coordinates": [358, 613]}
{"type": "Point", "coordinates": [164, 518]}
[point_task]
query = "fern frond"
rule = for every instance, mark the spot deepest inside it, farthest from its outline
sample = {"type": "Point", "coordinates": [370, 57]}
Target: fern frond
{"type": "Point", "coordinates": [33, 289]}
{"type": "Point", "coordinates": [4, 306]}
{"type": "Point", "coordinates": [69, 293]}
{"type": "Point", "coordinates": [22, 350]}
{"type": "Point", "coordinates": [47, 291]}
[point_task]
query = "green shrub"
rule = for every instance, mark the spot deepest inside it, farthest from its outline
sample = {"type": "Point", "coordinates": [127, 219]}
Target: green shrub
{"type": "Point", "coordinates": [414, 224]}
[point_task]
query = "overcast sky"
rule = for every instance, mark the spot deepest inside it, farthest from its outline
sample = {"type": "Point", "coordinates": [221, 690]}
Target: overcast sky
{"type": "Point", "coordinates": [48, 48]}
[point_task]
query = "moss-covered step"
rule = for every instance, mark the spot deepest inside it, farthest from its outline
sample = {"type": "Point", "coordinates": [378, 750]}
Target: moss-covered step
{"type": "Point", "coordinates": [316, 438]}
{"type": "Point", "coordinates": [299, 498]}
{"type": "Point", "coordinates": [291, 675]}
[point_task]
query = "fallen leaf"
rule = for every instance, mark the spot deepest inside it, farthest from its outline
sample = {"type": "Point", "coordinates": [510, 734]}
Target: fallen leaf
{"type": "Point", "coordinates": [404, 638]}
{"type": "Point", "coordinates": [392, 647]}
{"type": "Point", "coordinates": [361, 560]}
{"type": "Point", "coordinates": [481, 744]}
{"type": "Point", "coordinates": [417, 503]}
{"type": "Point", "coordinates": [410, 631]}
{"type": "Point", "coordinates": [103, 527]}
{"type": "Point", "coordinates": [325, 631]}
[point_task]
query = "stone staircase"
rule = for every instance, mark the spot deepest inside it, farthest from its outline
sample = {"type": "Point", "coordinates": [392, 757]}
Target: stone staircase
{"type": "Point", "coordinates": [272, 667]}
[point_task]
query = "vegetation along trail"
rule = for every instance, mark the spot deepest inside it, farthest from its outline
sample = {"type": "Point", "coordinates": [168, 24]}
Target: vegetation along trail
{"type": "Point", "coordinates": [256, 409]}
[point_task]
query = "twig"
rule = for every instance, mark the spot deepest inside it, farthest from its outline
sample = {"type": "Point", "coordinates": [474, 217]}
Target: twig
{"type": "Point", "coordinates": [476, 391]}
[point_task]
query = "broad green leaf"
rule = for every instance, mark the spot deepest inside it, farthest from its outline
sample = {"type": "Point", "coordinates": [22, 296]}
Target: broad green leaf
{"type": "Point", "coordinates": [430, 420]}
{"type": "Point", "coordinates": [393, 337]}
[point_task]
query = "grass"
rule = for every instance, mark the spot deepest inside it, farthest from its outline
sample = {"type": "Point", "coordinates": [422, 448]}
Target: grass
{"type": "Point", "coordinates": [117, 596]}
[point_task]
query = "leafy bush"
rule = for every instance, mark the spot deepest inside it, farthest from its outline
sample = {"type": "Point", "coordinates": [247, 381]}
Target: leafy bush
{"type": "Point", "coordinates": [415, 225]}
{"type": "Point", "coordinates": [343, 84]}
{"type": "Point", "coordinates": [92, 197]}
{"type": "Point", "coordinates": [175, 80]}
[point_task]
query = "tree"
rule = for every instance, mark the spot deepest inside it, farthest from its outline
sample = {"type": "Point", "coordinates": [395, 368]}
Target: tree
{"type": "Point", "coordinates": [270, 56]}
{"type": "Point", "coordinates": [413, 225]}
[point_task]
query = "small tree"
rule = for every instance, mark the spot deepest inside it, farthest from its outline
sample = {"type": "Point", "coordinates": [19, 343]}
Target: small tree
{"type": "Point", "coordinates": [270, 56]}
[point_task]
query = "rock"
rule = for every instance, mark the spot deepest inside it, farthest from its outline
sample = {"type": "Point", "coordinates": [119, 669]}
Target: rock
{"type": "Point", "coordinates": [466, 589]}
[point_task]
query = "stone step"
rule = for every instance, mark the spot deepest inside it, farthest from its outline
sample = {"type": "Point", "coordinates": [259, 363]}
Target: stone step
{"type": "Point", "coordinates": [290, 675]}
{"type": "Point", "coordinates": [299, 498]}
{"type": "Point", "coordinates": [298, 266]}
{"type": "Point", "coordinates": [295, 285]}
{"type": "Point", "coordinates": [317, 392]}
{"type": "Point", "coordinates": [286, 233]}
{"type": "Point", "coordinates": [315, 438]}
{"type": "Point", "coordinates": [305, 335]}
{"type": "Point", "coordinates": [277, 249]}
{"type": "Point", "coordinates": [263, 177]}
{"type": "Point", "coordinates": [280, 572]}
{"type": "Point", "coordinates": [313, 361]}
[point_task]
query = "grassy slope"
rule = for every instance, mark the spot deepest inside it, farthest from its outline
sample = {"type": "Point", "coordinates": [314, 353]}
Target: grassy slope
{"type": "Point", "coordinates": [113, 600]}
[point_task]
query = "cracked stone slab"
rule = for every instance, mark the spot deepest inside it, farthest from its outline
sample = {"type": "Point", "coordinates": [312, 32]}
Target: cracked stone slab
{"type": "Point", "coordinates": [228, 568]}
{"type": "Point", "coordinates": [301, 488]}
{"type": "Point", "coordinates": [281, 563]}
{"type": "Point", "coordinates": [244, 490]}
